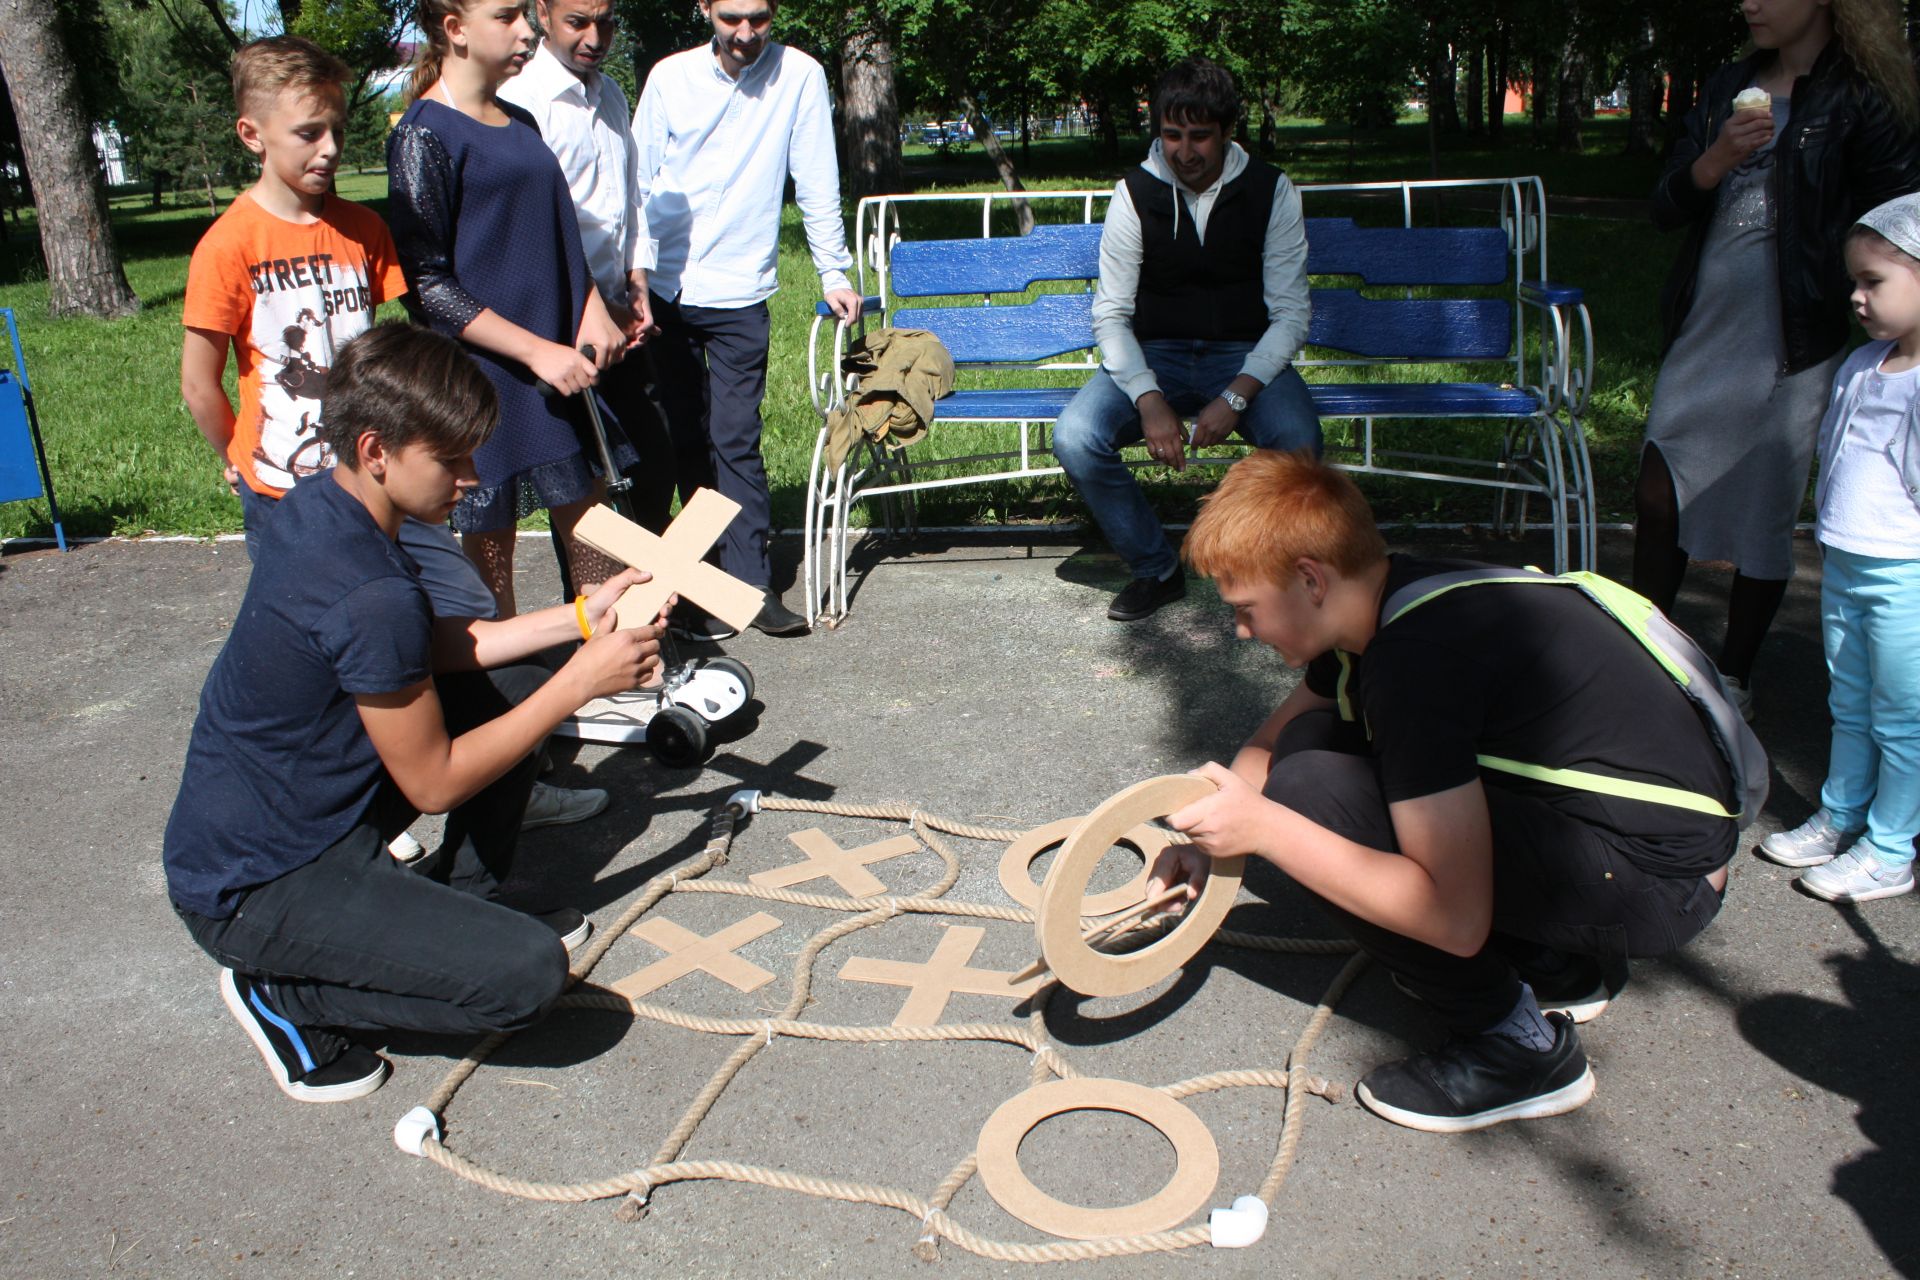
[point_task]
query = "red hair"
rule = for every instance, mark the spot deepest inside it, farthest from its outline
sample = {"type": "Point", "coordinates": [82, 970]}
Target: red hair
{"type": "Point", "coordinates": [1270, 510]}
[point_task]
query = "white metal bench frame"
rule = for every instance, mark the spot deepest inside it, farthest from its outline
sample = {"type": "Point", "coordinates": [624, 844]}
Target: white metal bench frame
{"type": "Point", "coordinates": [1560, 472]}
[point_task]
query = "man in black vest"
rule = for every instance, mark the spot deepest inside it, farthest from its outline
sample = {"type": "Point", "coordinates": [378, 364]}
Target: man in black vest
{"type": "Point", "coordinates": [1201, 308]}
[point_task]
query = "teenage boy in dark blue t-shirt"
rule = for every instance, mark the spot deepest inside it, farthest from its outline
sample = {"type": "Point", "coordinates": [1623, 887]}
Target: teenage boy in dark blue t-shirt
{"type": "Point", "coordinates": [339, 710]}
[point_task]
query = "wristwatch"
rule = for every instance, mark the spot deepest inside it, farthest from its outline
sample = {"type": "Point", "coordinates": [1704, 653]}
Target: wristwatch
{"type": "Point", "coordinates": [1235, 401]}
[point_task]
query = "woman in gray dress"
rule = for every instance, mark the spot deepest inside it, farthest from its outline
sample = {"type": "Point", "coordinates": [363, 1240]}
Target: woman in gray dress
{"type": "Point", "coordinates": [1756, 307]}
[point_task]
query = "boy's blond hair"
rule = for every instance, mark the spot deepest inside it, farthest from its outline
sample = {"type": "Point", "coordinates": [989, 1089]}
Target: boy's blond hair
{"type": "Point", "coordinates": [1270, 510]}
{"type": "Point", "coordinates": [266, 68]}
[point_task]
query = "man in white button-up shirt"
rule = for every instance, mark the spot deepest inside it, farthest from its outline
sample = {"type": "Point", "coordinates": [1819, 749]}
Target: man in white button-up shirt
{"type": "Point", "coordinates": [719, 129]}
{"type": "Point", "coordinates": [582, 116]}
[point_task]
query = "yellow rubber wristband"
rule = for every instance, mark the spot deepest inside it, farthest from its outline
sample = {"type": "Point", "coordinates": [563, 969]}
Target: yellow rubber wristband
{"type": "Point", "coordinates": [580, 616]}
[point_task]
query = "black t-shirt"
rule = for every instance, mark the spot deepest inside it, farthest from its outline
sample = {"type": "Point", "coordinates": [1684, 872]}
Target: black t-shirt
{"type": "Point", "coordinates": [1542, 675]}
{"type": "Point", "coordinates": [279, 766]}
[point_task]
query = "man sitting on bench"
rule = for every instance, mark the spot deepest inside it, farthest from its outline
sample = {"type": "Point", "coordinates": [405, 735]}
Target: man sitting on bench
{"type": "Point", "coordinates": [1201, 308]}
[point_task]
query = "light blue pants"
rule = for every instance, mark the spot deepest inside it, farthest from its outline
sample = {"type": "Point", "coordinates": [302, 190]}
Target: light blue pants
{"type": "Point", "coordinates": [1870, 625]}
{"type": "Point", "coordinates": [1100, 421]}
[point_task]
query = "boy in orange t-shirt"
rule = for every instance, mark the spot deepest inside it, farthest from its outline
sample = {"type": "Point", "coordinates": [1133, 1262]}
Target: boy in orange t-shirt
{"type": "Point", "coordinates": [285, 277]}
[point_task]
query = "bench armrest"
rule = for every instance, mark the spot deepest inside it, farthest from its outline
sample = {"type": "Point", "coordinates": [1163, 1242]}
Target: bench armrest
{"type": "Point", "coordinates": [1547, 293]}
{"type": "Point", "coordinates": [868, 306]}
{"type": "Point", "coordinates": [825, 384]}
{"type": "Point", "coordinates": [1564, 321]}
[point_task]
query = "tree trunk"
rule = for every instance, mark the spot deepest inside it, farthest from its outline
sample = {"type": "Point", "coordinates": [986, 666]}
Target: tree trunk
{"type": "Point", "coordinates": [1497, 86]}
{"type": "Point", "coordinates": [1442, 106]}
{"type": "Point", "coordinates": [1680, 93]}
{"type": "Point", "coordinates": [983, 130]}
{"type": "Point", "coordinates": [1573, 82]}
{"type": "Point", "coordinates": [1643, 92]}
{"type": "Point", "coordinates": [1109, 130]}
{"type": "Point", "coordinates": [84, 276]}
{"type": "Point", "coordinates": [1476, 123]}
{"type": "Point", "coordinates": [1546, 80]}
{"type": "Point", "coordinates": [870, 111]}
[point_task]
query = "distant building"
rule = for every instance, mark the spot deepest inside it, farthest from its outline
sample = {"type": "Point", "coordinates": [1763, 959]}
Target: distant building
{"type": "Point", "coordinates": [394, 79]}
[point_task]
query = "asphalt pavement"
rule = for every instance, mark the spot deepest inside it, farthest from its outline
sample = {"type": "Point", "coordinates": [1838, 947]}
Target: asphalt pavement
{"type": "Point", "coordinates": [1755, 1111]}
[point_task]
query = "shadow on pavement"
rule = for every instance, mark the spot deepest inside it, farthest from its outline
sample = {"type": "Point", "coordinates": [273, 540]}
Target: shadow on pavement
{"type": "Point", "coordinates": [1863, 1048]}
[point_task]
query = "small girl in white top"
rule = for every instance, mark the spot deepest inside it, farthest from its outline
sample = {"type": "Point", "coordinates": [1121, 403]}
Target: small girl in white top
{"type": "Point", "coordinates": [1868, 498]}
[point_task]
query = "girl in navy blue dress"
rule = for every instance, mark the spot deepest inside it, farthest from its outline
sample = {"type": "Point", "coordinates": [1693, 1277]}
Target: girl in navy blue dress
{"type": "Point", "coordinates": [487, 235]}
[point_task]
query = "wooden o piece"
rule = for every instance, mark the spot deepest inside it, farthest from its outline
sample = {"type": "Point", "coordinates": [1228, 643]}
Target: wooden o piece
{"type": "Point", "coordinates": [1196, 1170]}
{"type": "Point", "coordinates": [1095, 973]}
{"type": "Point", "coordinates": [1016, 862]}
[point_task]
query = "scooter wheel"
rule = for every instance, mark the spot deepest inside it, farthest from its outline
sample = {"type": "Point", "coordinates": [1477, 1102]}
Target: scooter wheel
{"type": "Point", "coordinates": [735, 668]}
{"type": "Point", "coordinates": [677, 738]}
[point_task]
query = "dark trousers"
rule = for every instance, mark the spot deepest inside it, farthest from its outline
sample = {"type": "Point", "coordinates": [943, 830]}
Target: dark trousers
{"type": "Point", "coordinates": [1557, 882]}
{"type": "Point", "coordinates": [353, 939]}
{"type": "Point", "coordinates": [712, 365]}
{"type": "Point", "coordinates": [628, 388]}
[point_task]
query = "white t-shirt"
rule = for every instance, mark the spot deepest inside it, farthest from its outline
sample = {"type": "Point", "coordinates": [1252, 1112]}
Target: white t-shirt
{"type": "Point", "coordinates": [1865, 509]}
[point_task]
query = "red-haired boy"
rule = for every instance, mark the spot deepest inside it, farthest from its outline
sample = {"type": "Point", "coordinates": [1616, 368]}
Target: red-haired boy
{"type": "Point", "coordinates": [1488, 895]}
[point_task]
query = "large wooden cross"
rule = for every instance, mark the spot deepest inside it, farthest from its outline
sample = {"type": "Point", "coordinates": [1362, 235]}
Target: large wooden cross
{"type": "Point", "coordinates": [936, 981]}
{"type": "Point", "coordinates": [674, 561]}
{"type": "Point", "coordinates": [848, 867]}
{"type": "Point", "coordinates": [687, 952]}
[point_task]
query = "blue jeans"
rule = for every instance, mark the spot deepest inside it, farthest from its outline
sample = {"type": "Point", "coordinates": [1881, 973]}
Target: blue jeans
{"type": "Point", "coordinates": [1100, 421]}
{"type": "Point", "coordinates": [1870, 624]}
{"type": "Point", "coordinates": [255, 508]}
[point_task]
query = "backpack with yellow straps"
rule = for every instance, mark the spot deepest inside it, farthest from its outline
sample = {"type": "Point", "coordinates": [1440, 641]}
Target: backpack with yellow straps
{"type": "Point", "coordinates": [1677, 655]}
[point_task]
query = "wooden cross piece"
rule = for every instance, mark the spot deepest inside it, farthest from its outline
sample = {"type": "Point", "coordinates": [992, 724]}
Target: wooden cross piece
{"type": "Point", "coordinates": [936, 981]}
{"type": "Point", "coordinates": [674, 561]}
{"type": "Point", "coordinates": [688, 951]}
{"type": "Point", "coordinates": [848, 867]}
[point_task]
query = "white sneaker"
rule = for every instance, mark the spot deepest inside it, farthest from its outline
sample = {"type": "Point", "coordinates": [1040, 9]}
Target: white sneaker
{"type": "Point", "coordinates": [1811, 843]}
{"type": "Point", "coordinates": [405, 849]}
{"type": "Point", "coordinates": [1858, 875]}
{"type": "Point", "coordinates": [1740, 693]}
{"type": "Point", "coordinates": [555, 806]}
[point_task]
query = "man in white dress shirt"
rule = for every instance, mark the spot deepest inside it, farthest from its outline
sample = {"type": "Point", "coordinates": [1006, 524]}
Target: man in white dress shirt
{"type": "Point", "coordinates": [720, 128]}
{"type": "Point", "coordinates": [1201, 308]}
{"type": "Point", "coordinates": [582, 116]}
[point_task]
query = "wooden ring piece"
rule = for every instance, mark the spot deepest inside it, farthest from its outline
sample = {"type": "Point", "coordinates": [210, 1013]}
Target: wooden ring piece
{"type": "Point", "coordinates": [1016, 866]}
{"type": "Point", "coordinates": [1095, 973]}
{"type": "Point", "coordinates": [1196, 1170]}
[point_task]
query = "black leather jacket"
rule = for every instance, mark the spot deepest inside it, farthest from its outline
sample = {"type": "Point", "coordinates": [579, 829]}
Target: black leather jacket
{"type": "Point", "coordinates": [1842, 152]}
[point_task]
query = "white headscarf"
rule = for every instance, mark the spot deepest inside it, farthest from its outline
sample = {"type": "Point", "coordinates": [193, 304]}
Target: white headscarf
{"type": "Point", "coordinates": [1899, 221]}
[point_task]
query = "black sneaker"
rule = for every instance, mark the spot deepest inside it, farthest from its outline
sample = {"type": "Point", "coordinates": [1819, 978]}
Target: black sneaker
{"type": "Point", "coordinates": [775, 619]}
{"type": "Point", "coordinates": [692, 623]}
{"type": "Point", "coordinates": [1143, 596]}
{"type": "Point", "coordinates": [1472, 1082]}
{"type": "Point", "coordinates": [308, 1065]}
{"type": "Point", "coordinates": [573, 927]}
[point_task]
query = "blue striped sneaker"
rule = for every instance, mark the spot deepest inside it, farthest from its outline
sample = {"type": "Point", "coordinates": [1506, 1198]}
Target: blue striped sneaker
{"type": "Point", "coordinates": [308, 1066]}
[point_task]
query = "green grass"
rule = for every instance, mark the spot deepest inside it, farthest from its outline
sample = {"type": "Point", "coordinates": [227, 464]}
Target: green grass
{"type": "Point", "coordinates": [127, 460]}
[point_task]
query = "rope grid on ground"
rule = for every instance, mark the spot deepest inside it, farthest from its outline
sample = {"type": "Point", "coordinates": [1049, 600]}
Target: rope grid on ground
{"type": "Point", "coordinates": [758, 1034]}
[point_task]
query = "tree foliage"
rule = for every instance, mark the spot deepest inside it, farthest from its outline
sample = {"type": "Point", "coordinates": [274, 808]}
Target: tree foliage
{"type": "Point", "coordinates": [175, 115]}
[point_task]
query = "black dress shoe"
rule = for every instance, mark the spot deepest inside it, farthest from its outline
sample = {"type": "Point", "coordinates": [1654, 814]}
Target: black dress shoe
{"type": "Point", "coordinates": [1143, 596]}
{"type": "Point", "coordinates": [1475, 1081]}
{"type": "Point", "coordinates": [775, 619]}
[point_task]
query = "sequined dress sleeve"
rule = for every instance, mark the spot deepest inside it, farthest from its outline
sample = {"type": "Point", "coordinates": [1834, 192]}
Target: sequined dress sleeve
{"type": "Point", "coordinates": [424, 190]}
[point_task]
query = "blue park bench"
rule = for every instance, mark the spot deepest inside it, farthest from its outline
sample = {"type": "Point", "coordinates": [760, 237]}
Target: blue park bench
{"type": "Point", "coordinates": [1418, 306]}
